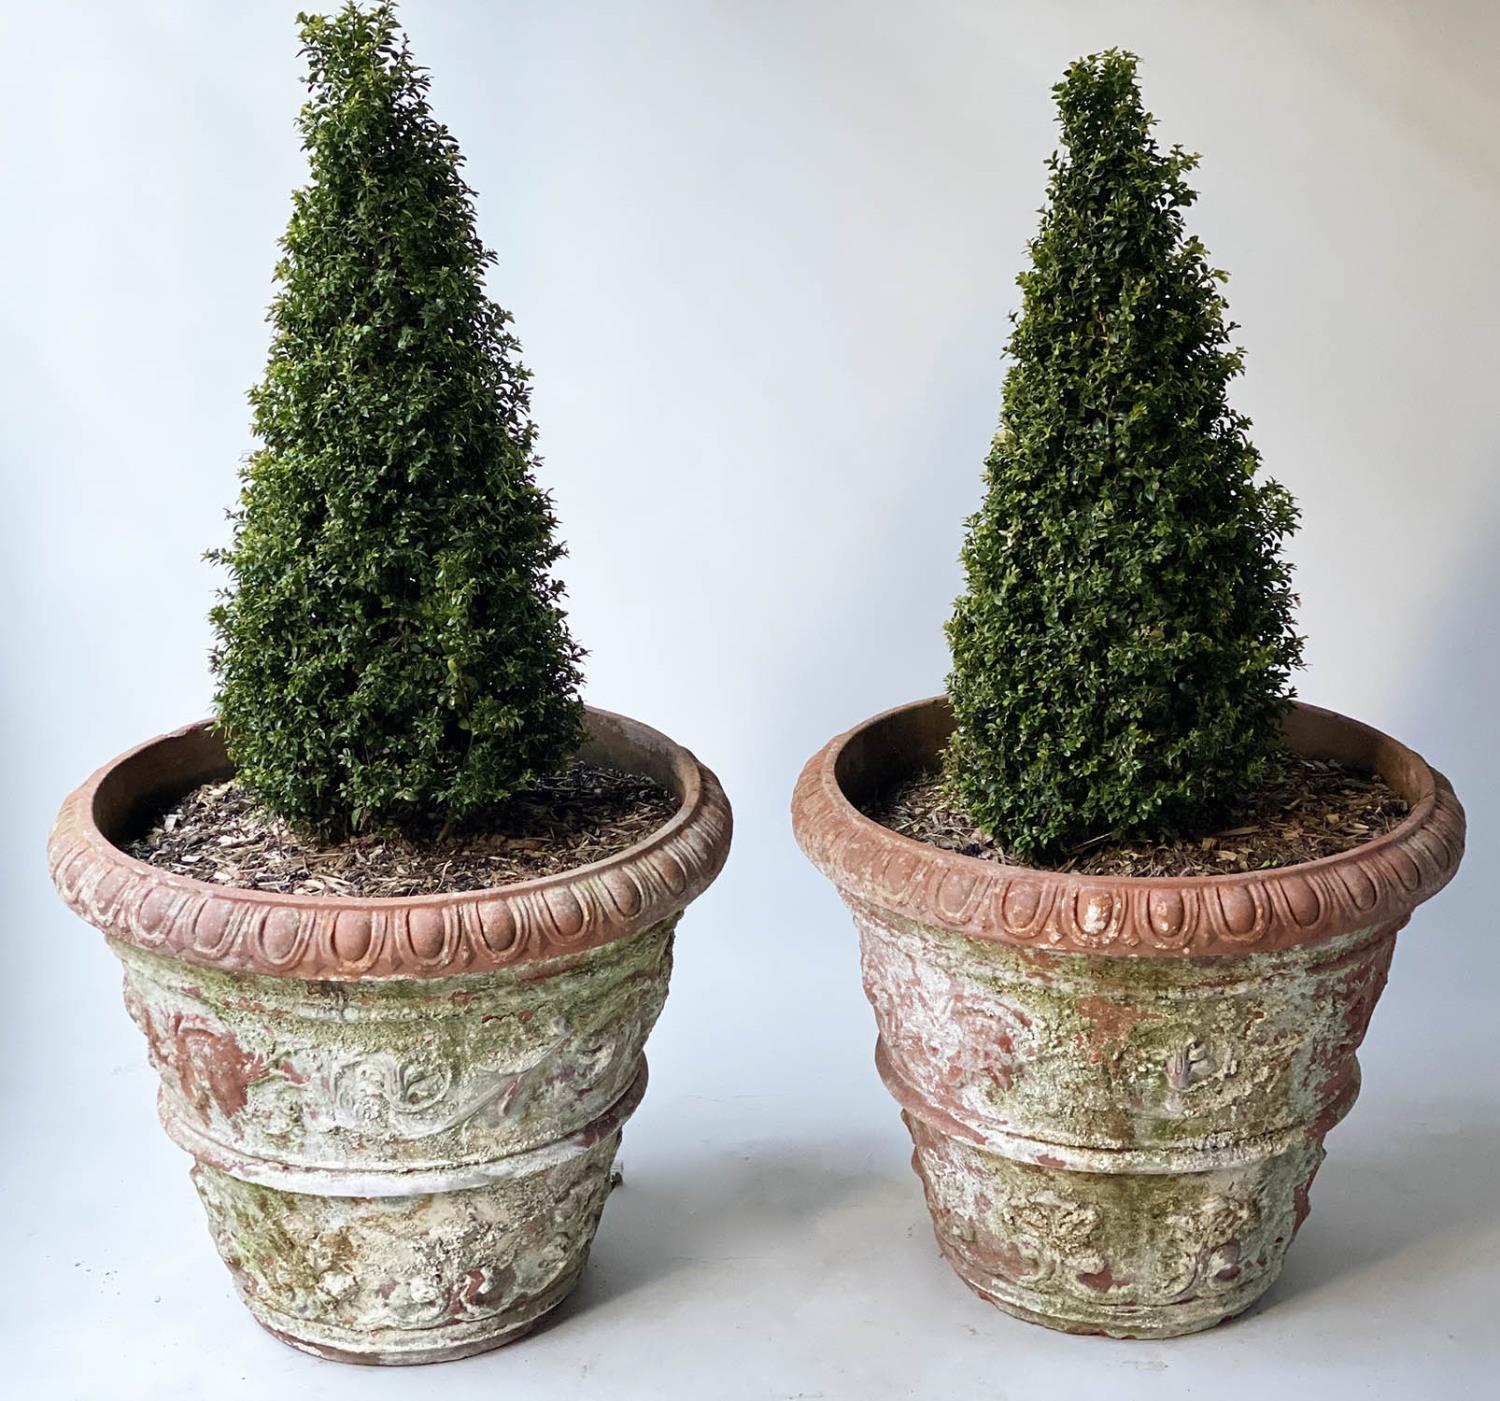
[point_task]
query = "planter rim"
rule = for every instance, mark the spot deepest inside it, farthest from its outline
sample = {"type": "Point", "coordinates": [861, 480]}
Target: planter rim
{"type": "Point", "coordinates": [1379, 882]}
{"type": "Point", "coordinates": [344, 938]}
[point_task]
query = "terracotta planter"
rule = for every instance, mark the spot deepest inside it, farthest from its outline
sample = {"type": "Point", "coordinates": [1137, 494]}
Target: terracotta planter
{"type": "Point", "coordinates": [1118, 1088]}
{"type": "Point", "coordinates": [403, 1112]}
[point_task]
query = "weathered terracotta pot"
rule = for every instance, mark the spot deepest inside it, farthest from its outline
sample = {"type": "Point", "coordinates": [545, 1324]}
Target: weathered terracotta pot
{"type": "Point", "coordinates": [1118, 1088]}
{"type": "Point", "coordinates": [403, 1112]}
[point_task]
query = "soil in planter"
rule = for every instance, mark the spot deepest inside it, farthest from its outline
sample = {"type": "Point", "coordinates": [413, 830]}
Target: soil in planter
{"type": "Point", "coordinates": [1318, 808]}
{"type": "Point", "coordinates": [580, 814]}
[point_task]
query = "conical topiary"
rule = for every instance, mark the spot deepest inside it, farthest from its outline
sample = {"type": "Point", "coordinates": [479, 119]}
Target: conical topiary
{"type": "Point", "coordinates": [1122, 652]}
{"type": "Point", "coordinates": [391, 650]}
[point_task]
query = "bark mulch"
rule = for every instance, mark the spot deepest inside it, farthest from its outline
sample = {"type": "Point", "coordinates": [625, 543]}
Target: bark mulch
{"type": "Point", "coordinates": [1317, 808]}
{"type": "Point", "coordinates": [580, 814]}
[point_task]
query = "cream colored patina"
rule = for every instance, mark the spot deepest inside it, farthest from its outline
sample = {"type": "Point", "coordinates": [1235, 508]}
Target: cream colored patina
{"type": "Point", "coordinates": [1117, 1146]}
{"type": "Point", "coordinates": [403, 1113]}
{"type": "Point", "coordinates": [369, 1087]}
{"type": "Point", "coordinates": [1118, 1089]}
{"type": "Point", "coordinates": [389, 1167]}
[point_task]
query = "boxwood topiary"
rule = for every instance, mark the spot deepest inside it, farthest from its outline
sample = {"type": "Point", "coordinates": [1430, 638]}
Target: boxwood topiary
{"type": "Point", "coordinates": [391, 650]}
{"type": "Point", "coordinates": [1122, 652]}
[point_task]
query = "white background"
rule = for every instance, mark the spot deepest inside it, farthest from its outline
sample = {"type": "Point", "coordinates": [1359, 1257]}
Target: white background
{"type": "Point", "coordinates": [761, 257]}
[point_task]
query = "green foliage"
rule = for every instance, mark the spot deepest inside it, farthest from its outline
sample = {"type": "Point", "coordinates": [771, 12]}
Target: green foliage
{"type": "Point", "coordinates": [391, 650]}
{"type": "Point", "coordinates": [1122, 652]}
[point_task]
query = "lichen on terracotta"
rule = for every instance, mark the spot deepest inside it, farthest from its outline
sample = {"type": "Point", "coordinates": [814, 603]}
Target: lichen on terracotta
{"type": "Point", "coordinates": [403, 1113]}
{"type": "Point", "coordinates": [1133, 1255]}
{"type": "Point", "coordinates": [1113, 1145]}
{"type": "Point", "coordinates": [1118, 1055]}
{"type": "Point", "coordinates": [397, 1278]}
{"type": "Point", "coordinates": [1118, 1088]}
{"type": "Point", "coordinates": [446, 1074]}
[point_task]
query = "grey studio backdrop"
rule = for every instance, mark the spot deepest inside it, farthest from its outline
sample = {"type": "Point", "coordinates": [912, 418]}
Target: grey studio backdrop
{"type": "Point", "coordinates": [761, 257]}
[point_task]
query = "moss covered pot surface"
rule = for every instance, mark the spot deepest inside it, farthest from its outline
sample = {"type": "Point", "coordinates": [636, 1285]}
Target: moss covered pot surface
{"type": "Point", "coordinates": [403, 1112]}
{"type": "Point", "coordinates": [1118, 1087]}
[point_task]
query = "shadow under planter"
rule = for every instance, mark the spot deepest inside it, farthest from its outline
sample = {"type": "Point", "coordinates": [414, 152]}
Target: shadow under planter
{"type": "Point", "coordinates": [1118, 1087]}
{"type": "Point", "coordinates": [403, 1112]}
